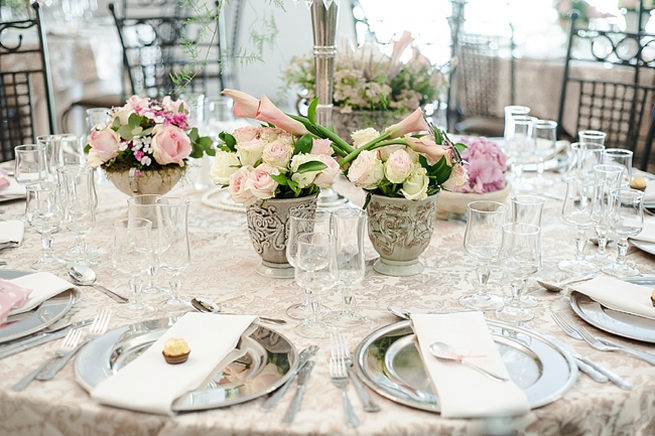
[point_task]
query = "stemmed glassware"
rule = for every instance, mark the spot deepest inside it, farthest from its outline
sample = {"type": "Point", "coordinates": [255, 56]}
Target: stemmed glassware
{"type": "Point", "coordinates": [527, 209]}
{"type": "Point", "coordinates": [132, 255]}
{"type": "Point", "coordinates": [545, 143]}
{"type": "Point", "coordinates": [521, 257]}
{"type": "Point", "coordinates": [30, 164]}
{"type": "Point", "coordinates": [607, 179]}
{"type": "Point", "coordinates": [627, 220]}
{"type": "Point", "coordinates": [44, 213]}
{"type": "Point", "coordinates": [314, 270]}
{"type": "Point", "coordinates": [145, 206]}
{"type": "Point", "coordinates": [349, 230]}
{"type": "Point", "coordinates": [482, 240]}
{"type": "Point", "coordinates": [174, 249]}
{"type": "Point", "coordinates": [78, 199]}
{"type": "Point", "coordinates": [577, 211]}
{"type": "Point", "coordinates": [301, 222]}
{"type": "Point", "coordinates": [519, 145]}
{"type": "Point", "coordinates": [622, 158]}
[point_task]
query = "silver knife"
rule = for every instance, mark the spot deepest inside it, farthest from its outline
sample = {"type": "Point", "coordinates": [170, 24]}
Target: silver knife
{"type": "Point", "coordinates": [39, 339]}
{"type": "Point", "coordinates": [643, 355]}
{"type": "Point", "coordinates": [270, 403]}
{"type": "Point", "coordinates": [616, 379]}
{"type": "Point", "coordinates": [582, 366]}
{"type": "Point", "coordinates": [303, 375]}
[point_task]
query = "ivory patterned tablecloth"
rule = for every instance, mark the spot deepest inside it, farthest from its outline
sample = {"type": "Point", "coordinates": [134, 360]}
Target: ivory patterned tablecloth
{"type": "Point", "coordinates": [223, 269]}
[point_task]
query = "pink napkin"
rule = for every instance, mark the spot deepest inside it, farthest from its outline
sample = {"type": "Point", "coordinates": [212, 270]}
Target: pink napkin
{"type": "Point", "coordinates": [12, 296]}
{"type": "Point", "coordinates": [4, 180]}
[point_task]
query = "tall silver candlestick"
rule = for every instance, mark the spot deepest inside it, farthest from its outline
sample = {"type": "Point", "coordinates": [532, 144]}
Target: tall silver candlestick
{"type": "Point", "coordinates": [324, 26]}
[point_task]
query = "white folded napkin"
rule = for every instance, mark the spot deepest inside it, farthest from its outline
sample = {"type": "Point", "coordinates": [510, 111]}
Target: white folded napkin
{"type": "Point", "coordinates": [619, 295]}
{"type": "Point", "coordinates": [14, 189]}
{"type": "Point", "coordinates": [44, 285]}
{"type": "Point", "coordinates": [647, 233]}
{"type": "Point", "coordinates": [149, 384]}
{"type": "Point", "coordinates": [11, 231]}
{"type": "Point", "coordinates": [464, 392]}
{"type": "Point", "coordinates": [649, 193]}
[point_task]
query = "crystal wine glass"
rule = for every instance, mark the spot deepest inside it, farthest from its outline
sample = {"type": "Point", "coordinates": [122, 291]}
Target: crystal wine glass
{"type": "Point", "coordinates": [527, 209]}
{"type": "Point", "coordinates": [577, 212]}
{"type": "Point", "coordinates": [627, 220]}
{"type": "Point", "coordinates": [145, 206]}
{"type": "Point", "coordinates": [622, 158]}
{"type": "Point", "coordinates": [44, 213]}
{"type": "Point", "coordinates": [544, 133]}
{"type": "Point", "coordinates": [30, 164]}
{"type": "Point", "coordinates": [519, 145]}
{"type": "Point", "coordinates": [521, 257]}
{"type": "Point", "coordinates": [607, 180]}
{"type": "Point", "coordinates": [482, 240]}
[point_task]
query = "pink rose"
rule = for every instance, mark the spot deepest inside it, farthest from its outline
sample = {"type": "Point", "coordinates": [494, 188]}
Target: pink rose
{"type": "Point", "coordinates": [238, 186]}
{"type": "Point", "coordinates": [398, 48]}
{"type": "Point", "coordinates": [458, 178]}
{"type": "Point", "coordinates": [413, 123]}
{"type": "Point", "coordinates": [174, 105]}
{"type": "Point", "coordinates": [487, 166]}
{"type": "Point", "coordinates": [366, 170]}
{"type": "Point", "coordinates": [170, 144]}
{"type": "Point", "coordinates": [260, 183]}
{"type": "Point", "coordinates": [428, 148]}
{"type": "Point", "coordinates": [278, 154]}
{"type": "Point", "coordinates": [247, 133]}
{"type": "Point", "coordinates": [244, 105]}
{"type": "Point", "coordinates": [269, 113]}
{"type": "Point", "coordinates": [104, 143]}
{"type": "Point", "coordinates": [325, 178]}
{"type": "Point", "coordinates": [321, 146]}
{"type": "Point", "coordinates": [398, 167]}
{"type": "Point", "coordinates": [137, 103]}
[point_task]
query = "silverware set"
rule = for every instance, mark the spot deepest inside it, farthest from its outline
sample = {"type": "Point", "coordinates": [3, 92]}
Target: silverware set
{"type": "Point", "coordinates": [339, 376]}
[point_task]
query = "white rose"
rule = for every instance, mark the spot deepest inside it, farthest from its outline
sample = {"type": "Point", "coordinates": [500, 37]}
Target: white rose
{"type": "Point", "coordinates": [325, 178]}
{"type": "Point", "coordinates": [225, 164]}
{"type": "Point", "coordinates": [361, 137]}
{"type": "Point", "coordinates": [278, 154]}
{"type": "Point", "coordinates": [398, 167]}
{"type": "Point", "coordinates": [250, 152]}
{"type": "Point", "coordinates": [367, 170]}
{"type": "Point", "coordinates": [307, 178]}
{"type": "Point", "coordinates": [416, 185]}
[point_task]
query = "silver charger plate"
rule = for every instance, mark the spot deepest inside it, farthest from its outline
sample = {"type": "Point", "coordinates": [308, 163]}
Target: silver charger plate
{"type": "Point", "coordinates": [39, 318]}
{"type": "Point", "coordinates": [268, 362]}
{"type": "Point", "coordinates": [648, 247]}
{"type": "Point", "coordinates": [612, 321]}
{"type": "Point", "coordinates": [390, 364]}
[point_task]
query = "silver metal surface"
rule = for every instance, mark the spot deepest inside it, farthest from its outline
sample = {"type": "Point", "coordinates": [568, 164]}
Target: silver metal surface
{"type": "Point", "coordinates": [294, 406]}
{"type": "Point", "coordinates": [269, 361]}
{"type": "Point", "coordinates": [389, 363]}
{"type": "Point", "coordinates": [37, 339]}
{"type": "Point", "coordinates": [648, 247]}
{"type": "Point", "coordinates": [270, 403]}
{"type": "Point", "coordinates": [612, 321]}
{"type": "Point", "coordinates": [579, 360]}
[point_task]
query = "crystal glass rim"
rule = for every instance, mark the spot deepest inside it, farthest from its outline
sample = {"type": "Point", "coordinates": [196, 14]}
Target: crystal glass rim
{"type": "Point", "coordinates": [518, 109]}
{"type": "Point", "coordinates": [618, 152]}
{"type": "Point", "coordinates": [545, 124]}
{"type": "Point", "coordinates": [28, 147]}
{"type": "Point", "coordinates": [527, 199]}
{"type": "Point", "coordinates": [529, 229]}
{"type": "Point", "coordinates": [473, 206]}
{"type": "Point", "coordinates": [133, 224]}
{"type": "Point", "coordinates": [592, 133]}
{"type": "Point", "coordinates": [608, 168]}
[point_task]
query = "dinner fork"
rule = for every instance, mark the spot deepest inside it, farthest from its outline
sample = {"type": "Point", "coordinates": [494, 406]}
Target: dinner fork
{"type": "Point", "coordinates": [339, 376]}
{"type": "Point", "coordinates": [98, 327]}
{"type": "Point", "coordinates": [71, 340]}
{"type": "Point", "coordinates": [344, 352]}
{"type": "Point", "coordinates": [603, 344]}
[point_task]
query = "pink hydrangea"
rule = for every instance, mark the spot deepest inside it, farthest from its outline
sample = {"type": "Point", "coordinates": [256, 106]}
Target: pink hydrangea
{"type": "Point", "coordinates": [487, 166]}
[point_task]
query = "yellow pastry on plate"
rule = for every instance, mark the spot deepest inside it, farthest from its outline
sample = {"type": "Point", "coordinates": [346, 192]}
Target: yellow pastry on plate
{"type": "Point", "coordinates": [176, 351]}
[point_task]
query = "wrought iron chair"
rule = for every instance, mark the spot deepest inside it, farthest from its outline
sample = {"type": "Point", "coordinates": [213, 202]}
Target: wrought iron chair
{"type": "Point", "coordinates": [24, 67]}
{"type": "Point", "coordinates": [621, 108]}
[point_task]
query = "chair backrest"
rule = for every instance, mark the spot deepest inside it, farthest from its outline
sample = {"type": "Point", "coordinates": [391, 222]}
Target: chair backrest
{"type": "Point", "coordinates": [24, 82]}
{"type": "Point", "coordinates": [156, 48]}
{"type": "Point", "coordinates": [620, 107]}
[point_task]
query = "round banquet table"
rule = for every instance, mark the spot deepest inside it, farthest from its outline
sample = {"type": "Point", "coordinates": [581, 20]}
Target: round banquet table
{"type": "Point", "coordinates": [223, 264]}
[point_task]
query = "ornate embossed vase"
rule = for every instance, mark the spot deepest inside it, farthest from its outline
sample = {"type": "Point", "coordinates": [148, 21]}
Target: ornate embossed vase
{"type": "Point", "coordinates": [160, 181]}
{"type": "Point", "coordinates": [400, 231]}
{"type": "Point", "coordinates": [268, 228]}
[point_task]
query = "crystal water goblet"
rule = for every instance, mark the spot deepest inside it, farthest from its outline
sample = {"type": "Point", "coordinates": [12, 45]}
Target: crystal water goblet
{"type": "Point", "coordinates": [591, 155]}
{"type": "Point", "coordinates": [54, 155]}
{"type": "Point", "coordinates": [300, 222]}
{"type": "Point", "coordinates": [519, 146]}
{"type": "Point", "coordinates": [544, 133]}
{"type": "Point", "coordinates": [132, 255]}
{"type": "Point", "coordinates": [622, 158]}
{"type": "Point", "coordinates": [174, 249]}
{"type": "Point", "coordinates": [577, 212]}
{"type": "Point", "coordinates": [314, 270]}
{"type": "Point", "coordinates": [482, 240]}
{"type": "Point", "coordinates": [29, 164]}
{"type": "Point", "coordinates": [527, 209]}
{"type": "Point", "coordinates": [44, 212]}
{"type": "Point", "coordinates": [607, 182]}
{"type": "Point", "coordinates": [521, 257]}
{"type": "Point", "coordinates": [349, 232]}
{"type": "Point", "coordinates": [591, 137]}
{"type": "Point", "coordinates": [145, 206]}
{"type": "Point", "coordinates": [511, 112]}
{"type": "Point", "coordinates": [627, 220]}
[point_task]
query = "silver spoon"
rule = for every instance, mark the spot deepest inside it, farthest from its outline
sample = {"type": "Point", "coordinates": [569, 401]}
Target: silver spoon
{"type": "Point", "coordinates": [559, 287]}
{"type": "Point", "coordinates": [85, 276]}
{"type": "Point", "coordinates": [206, 305]}
{"type": "Point", "coordinates": [444, 351]}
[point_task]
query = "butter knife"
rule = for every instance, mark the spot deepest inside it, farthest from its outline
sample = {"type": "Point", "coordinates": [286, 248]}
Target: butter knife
{"type": "Point", "coordinates": [582, 366]}
{"type": "Point", "coordinates": [270, 403]}
{"type": "Point", "coordinates": [294, 407]}
{"type": "Point", "coordinates": [614, 378]}
{"type": "Point", "coordinates": [39, 339]}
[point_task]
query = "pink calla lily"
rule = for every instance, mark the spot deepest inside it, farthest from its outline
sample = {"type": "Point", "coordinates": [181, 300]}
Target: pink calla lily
{"type": "Point", "coordinates": [269, 113]}
{"type": "Point", "coordinates": [245, 105]}
{"type": "Point", "coordinates": [413, 123]}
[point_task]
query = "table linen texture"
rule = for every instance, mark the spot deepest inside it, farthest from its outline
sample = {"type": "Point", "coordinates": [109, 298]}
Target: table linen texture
{"type": "Point", "coordinates": [11, 231]}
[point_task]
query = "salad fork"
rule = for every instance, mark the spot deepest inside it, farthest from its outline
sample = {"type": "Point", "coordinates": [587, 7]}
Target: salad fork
{"type": "Point", "coordinates": [344, 352]}
{"type": "Point", "coordinates": [98, 327]}
{"type": "Point", "coordinates": [339, 377]}
{"type": "Point", "coordinates": [70, 342]}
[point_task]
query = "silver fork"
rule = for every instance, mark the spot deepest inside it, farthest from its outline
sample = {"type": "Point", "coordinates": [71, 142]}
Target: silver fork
{"type": "Point", "coordinates": [339, 377]}
{"type": "Point", "coordinates": [603, 344]}
{"type": "Point", "coordinates": [71, 340]}
{"type": "Point", "coordinates": [98, 327]}
{"type": "Point", "coordinates": [344, 352]}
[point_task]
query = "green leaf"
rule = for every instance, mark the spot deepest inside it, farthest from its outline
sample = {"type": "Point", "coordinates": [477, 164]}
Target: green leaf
{"type": "Point", "coordinates": [137, 131]}
{"type": "Point", "coordinates": [311, 111]}
{"type": "Point", "coordinates": [134, 121]}
{"type": "Point", "coordinates": [147, 131]}
{"type": "Point", "coordinates": [87, 147]}
{"type": "Point", "coordinates": [304, 144]}
{"type": "Point", "coordinates": [193, 133]}
{"type": "Point", "coordinates": [294, 187]}
{"type": "Point", "coordinates": [437, 136]}
{"type": "Point", "coordinates": [126, 133]}
{"type": "Point", "coordinates": [312, 165]}
{"type": "Point", "coordinates": [116, 124]}
{"type": "Point", "coordinates": [460, 147]}
{"type": "Point", "coordinates": [281, 179]}
{"type": "Point", "coordinates": [229, 141]}
{"type": "Point", "coordinates": [367, 201]}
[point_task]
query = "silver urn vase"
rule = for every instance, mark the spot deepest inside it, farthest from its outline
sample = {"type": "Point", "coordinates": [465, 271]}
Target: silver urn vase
{"type": "Point", "coordinates": [400, 230]}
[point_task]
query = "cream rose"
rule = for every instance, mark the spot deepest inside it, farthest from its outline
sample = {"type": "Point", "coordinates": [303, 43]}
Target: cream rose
{"type": "Point", "coordinates": [361, 137]}
{"type": "Point", "coordinates": [260, 183]}
{"type": "Point", "coordinates": [238, 188]}
{"type": "Point", "coordinates": [104, 146]}
{"type": "Point", "coordinates": [458, 178]}
{"type": "Point", "coordinates": [307, 178]}
{"type": "Point", "coordinates": [398, 167]}
{"type": "Point", "coordinates": [321, 146]}
{"type": "Point", "coordinates": [225, 164]}
{"type": "Point", "coordinates": [170, 144]}
{"type": "Point", "coordinates": [416, 185]}
{"type": "Point", "coordinates": [123, 116]}
{"type": "Point", "coordinates": [278, 154]}
{"type": "Point", "coordinates": [325, 178]}
{"type": "Point", "coordinates": [250, 152]}
{"type": "Point", "coordinates": [247, 133]}
{"type": "Point", "coordinates": [366, 170]}
{"type": "Point", "coordinates": [174, 105]}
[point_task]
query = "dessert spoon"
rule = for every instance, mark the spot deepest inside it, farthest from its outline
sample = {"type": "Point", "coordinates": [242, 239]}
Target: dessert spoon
{"type": "Point", "coordinates": [206, 305]}
{"type": "Point", "coordinates": [441, 350]}
{"type": "Point", "coordinates": [85, 276]}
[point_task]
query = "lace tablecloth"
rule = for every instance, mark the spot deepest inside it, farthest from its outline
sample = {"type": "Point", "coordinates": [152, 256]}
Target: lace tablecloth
{"type": "Point", "coordinates": [223, 269]}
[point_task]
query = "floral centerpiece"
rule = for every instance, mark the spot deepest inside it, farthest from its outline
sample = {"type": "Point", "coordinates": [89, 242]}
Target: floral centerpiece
{"type": "Point", "coordinates": [143, 141]}
{"type": "Point", "coordinates": [377, 87]}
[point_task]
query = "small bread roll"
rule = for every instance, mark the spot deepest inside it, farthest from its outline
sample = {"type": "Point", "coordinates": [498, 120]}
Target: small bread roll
{"type": "Point", "coordinates": [638, 183]}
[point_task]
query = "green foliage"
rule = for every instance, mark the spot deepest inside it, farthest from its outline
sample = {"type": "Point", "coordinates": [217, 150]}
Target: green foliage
{"type": "Point", "coordinates": [312, 165]}
{"type": "Point", "coordinates": [229, 142]}
{"type": "Point", "coordinates": [304, 144]}
{"type": "Point", "coordinates": [200, 144]}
